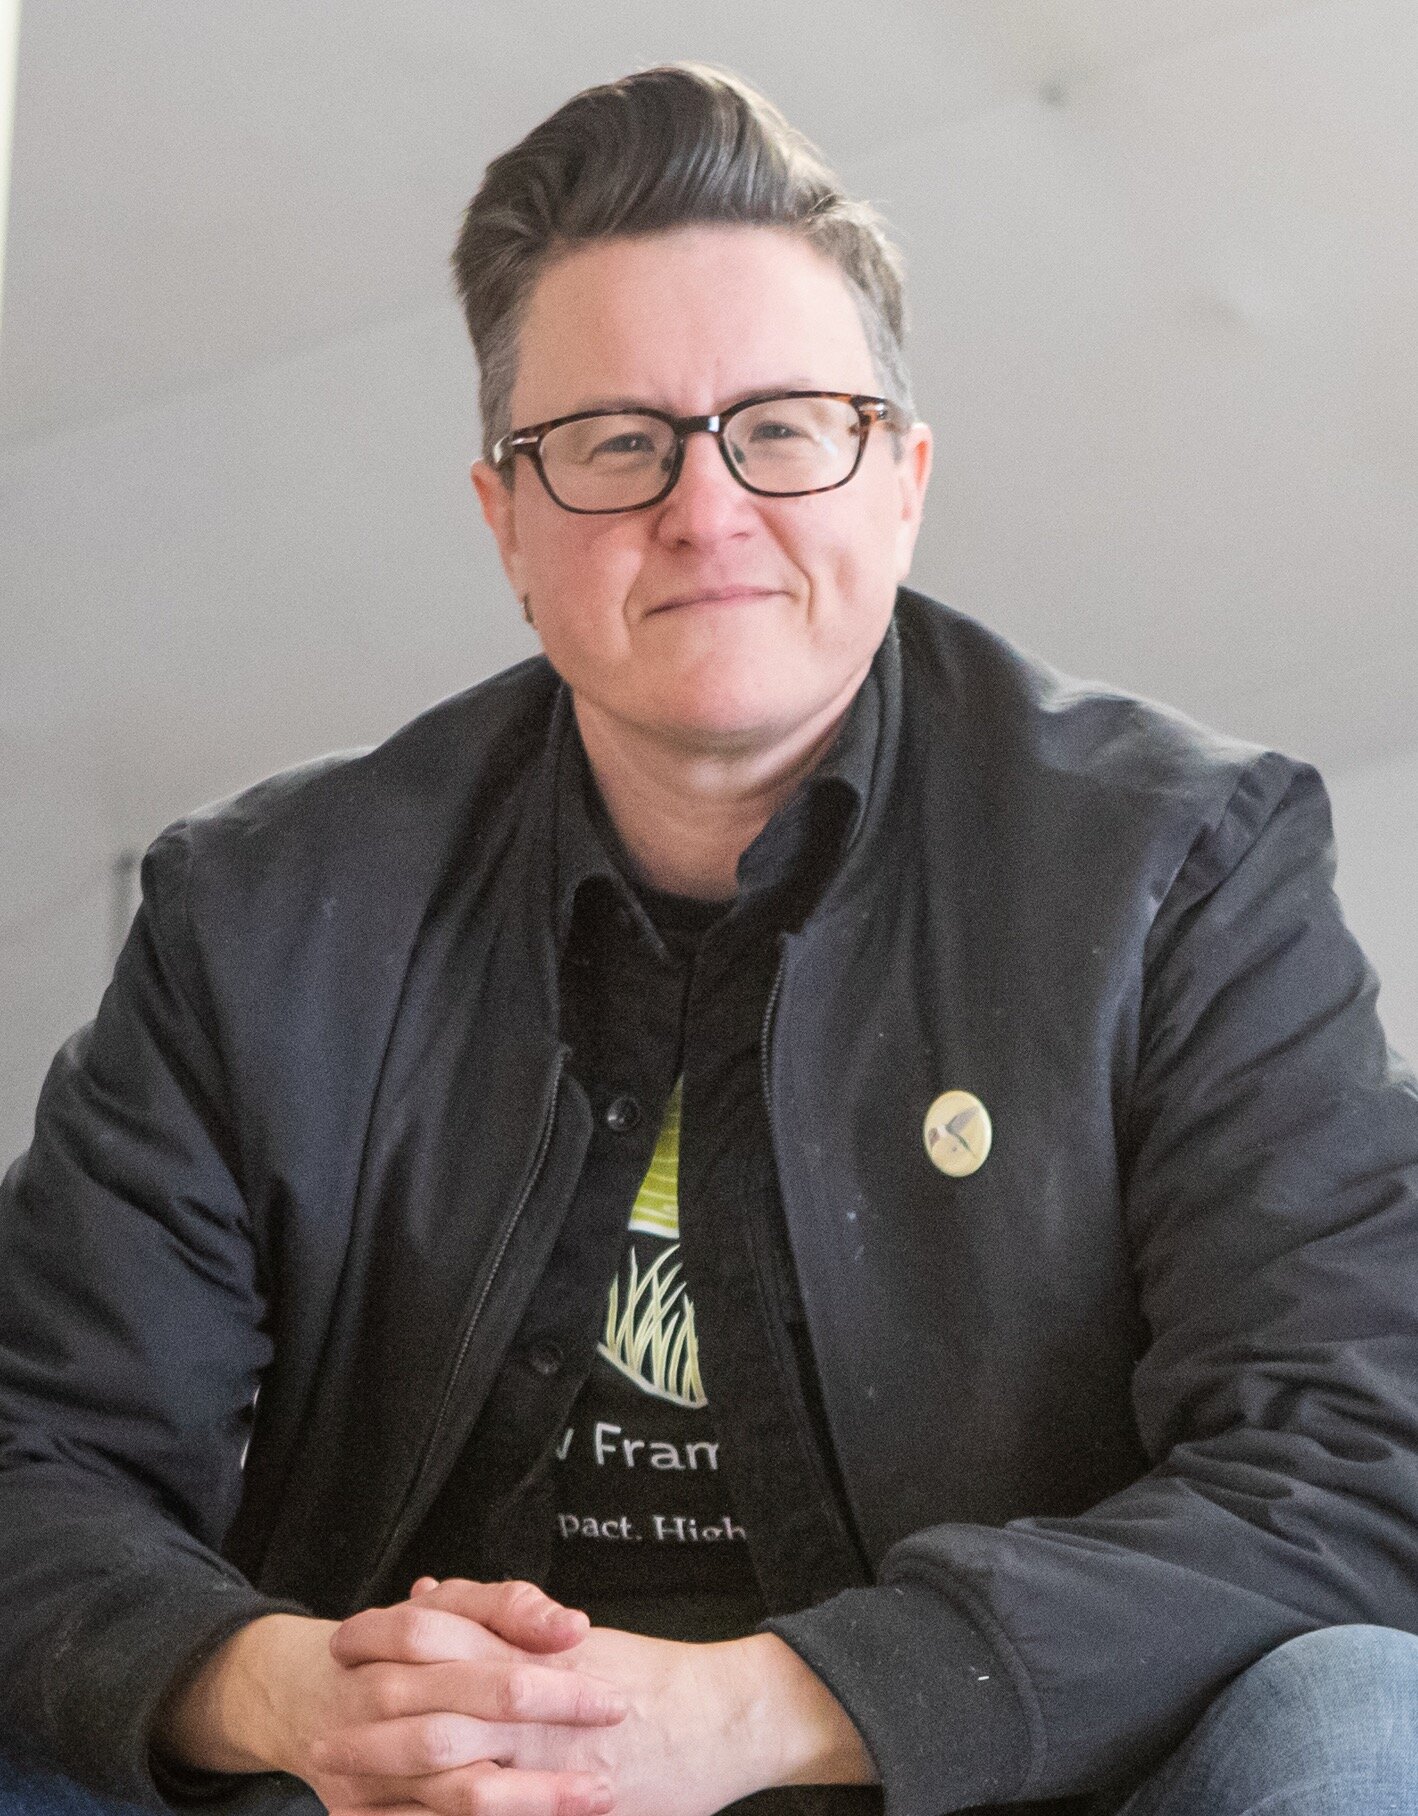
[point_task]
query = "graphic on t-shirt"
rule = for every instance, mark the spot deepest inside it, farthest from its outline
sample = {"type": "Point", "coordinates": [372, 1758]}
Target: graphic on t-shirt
{"type": "Point", "coordinates": [641, 1509]}
{"type": "Point", "coordinates": [649, 1334]}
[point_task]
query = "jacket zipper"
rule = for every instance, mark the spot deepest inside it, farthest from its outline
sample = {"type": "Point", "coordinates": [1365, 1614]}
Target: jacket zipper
{"type": "Point", "coordinates": [396, 1533]}
{"type": "Point", "coordinates": [766, 1030]}
{"type": "Point", "coordinates": [838, 1496]}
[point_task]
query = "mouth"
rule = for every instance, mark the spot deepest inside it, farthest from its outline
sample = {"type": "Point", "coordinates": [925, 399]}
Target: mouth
{"type": "Point", "coordinates": [712, 596]}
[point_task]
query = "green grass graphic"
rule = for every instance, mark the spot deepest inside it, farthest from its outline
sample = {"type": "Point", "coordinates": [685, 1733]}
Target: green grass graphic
{"type": "Point", "coordinates": [651, 1336]}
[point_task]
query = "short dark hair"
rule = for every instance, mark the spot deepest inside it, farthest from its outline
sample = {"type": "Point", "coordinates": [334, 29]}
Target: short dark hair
{"type": "Point", "coordinates": [677, 145]}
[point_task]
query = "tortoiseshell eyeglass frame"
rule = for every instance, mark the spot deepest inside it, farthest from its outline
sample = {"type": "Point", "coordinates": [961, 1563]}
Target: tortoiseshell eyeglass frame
{"type": "Point", "coordinates": [528, 441]}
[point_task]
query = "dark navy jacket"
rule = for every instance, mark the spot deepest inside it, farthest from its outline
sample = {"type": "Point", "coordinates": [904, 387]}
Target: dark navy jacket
{"type": "Point", "coordinates": [1117, 1413]}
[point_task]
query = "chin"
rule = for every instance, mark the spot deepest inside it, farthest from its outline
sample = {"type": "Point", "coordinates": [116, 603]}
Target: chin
{"type": "Point", "coordinates": [729, 726]}
{"type": "Point", "coordinates": [728, 696]}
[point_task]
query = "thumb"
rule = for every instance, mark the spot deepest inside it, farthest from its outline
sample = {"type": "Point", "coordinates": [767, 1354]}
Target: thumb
{"type": "Point", "coordinates": [519, 1613]}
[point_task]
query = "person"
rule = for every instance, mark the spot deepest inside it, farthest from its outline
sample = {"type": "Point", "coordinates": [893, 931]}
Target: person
{"type": "Point", "coordinates": [779, 1197]}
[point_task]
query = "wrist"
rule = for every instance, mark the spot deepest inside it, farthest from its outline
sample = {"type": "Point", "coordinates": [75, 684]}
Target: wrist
{"type": "Point", "coordinates": [231, 1715]}
{"type": "Point", "coordinates": [793, 1729]}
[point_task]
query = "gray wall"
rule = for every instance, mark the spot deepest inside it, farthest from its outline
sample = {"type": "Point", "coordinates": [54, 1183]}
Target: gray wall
{"type": "Point", "coordinates": [1162, 326]}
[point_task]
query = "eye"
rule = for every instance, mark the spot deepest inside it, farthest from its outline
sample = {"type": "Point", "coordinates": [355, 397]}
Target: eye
{"type": "Point", "coordinates": [629, 442]}
{"type": "Point", "coordinates": [616, 442]}
{"type": "Point", "coordinates": [774, 428]}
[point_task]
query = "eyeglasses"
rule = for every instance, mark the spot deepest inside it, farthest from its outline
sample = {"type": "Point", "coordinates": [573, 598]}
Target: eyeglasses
{"type": "Point", "coordinates": [783, 446]}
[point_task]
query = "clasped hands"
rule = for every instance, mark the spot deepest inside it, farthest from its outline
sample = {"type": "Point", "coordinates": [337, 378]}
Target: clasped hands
{"type": "Point", "coordinates": [490, 1699]}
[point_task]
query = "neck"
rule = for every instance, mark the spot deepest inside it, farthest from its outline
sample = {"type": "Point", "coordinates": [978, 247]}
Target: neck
{"type": "Point", "coordinates": [686, 813]}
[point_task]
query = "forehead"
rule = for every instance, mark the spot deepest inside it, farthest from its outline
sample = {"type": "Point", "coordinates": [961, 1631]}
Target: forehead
{"type": "Point", "coordinates": [688, 320]}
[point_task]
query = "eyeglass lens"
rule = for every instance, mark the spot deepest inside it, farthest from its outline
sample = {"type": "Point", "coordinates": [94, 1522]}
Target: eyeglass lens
{"type": "Point", "coordinates": [618, 460]}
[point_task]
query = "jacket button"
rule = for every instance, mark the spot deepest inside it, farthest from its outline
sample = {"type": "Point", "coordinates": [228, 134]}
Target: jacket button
{"type": "Point", "coordinates": [622, 1115]}
{"type": "Point", "coordinates": [545, 1359]}
{"type": "Point", "coordinates": [958, 1134]}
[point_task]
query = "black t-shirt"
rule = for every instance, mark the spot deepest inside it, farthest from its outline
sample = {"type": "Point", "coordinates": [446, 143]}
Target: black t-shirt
{"type": "Point", "coordinates": [653, 989]}
{"type": "Point", "coordinates": [643, 1513]}
{"type": "Point", "coordinates": [656, 989]}
{"type": "Point", "coordinates": [642, 1508]}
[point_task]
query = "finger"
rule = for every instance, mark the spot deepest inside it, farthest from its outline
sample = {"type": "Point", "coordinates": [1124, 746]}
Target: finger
{"type": "Point", "coordinates": [358, 1796]}
{"type": "Point", "coordinates": [413, 1747]}
{"type": "Point", "coordinates": [520, 1613]}
{"type": "Point", "coordinates": [383, 1809]}
{"type": "Point", "coordinates": [418, 1632]}
{"type": "Point", "coordinates": [513, 1690]}
{"type": "Point", "coordinates": [359, 1800]}
{"type": "Point", "coordinates": [414, 1633]}
{"type": "Point", "coordinates": [423, 1585]}
{"type": "Point", "coordinates": [485, 1789]}
{"type": "Point", "coordinates": [434, 1718]}
{"type": "Point", "coordinates": [440, 1737]}
{"type": "Point", "coordinates": [489, 1790]}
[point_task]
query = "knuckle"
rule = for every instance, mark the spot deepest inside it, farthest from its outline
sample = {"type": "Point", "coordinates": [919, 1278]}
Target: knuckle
{"type": "Point", "coordinates": [592, 1705]}
{"type": "Point", "coordinates": [438, 1745]}
{"type": "Point", "coordinates": [594, 1755]}
{"type": "Point", "coordinates": [420, 1630]}
{"type": "Point", "coordinates": [520, 1598]}
{"type": "Point", "coordinates": [384, 1688]}
{"type": "Point", "coordinates": [571, 1800]}
{"type": "Point", "coordinates": [477, 1793]}
{"type": "Point", "coordinates": [360, 1636]}
{"type": "Point", "coordinates": [516, 1693]}
{"type": "Point", "coordinates": [330, 1755]}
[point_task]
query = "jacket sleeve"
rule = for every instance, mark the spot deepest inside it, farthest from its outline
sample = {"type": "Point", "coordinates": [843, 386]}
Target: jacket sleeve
{"type": "Point", "coordinates": [132, 1338]}
{"type": "Point", "coordinates": [1271, 1191]}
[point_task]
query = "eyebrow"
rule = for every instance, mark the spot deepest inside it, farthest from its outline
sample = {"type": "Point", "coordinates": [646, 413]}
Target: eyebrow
{"type": "Point", "coordinates": [611, 403]}
{"type": "Point", "coordinates": [629, 404]}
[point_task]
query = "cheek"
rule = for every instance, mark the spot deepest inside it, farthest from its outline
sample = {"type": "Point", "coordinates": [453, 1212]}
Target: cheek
{"type": "Point", "coordinates": [854, 578]}
{"type": "Point", "coordinates": [568, 558]}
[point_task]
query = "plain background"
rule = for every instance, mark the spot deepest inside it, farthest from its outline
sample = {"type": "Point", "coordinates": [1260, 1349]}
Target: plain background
{"type": "Point", "coordinates": [1164, 283]}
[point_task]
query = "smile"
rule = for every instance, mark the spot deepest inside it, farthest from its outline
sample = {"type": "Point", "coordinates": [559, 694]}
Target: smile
{"type": "Point", "coordinates": [713, 596]}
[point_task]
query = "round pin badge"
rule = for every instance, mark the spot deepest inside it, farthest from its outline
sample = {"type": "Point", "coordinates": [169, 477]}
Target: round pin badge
{"type": "Point", "coordinates": [958, 1133]}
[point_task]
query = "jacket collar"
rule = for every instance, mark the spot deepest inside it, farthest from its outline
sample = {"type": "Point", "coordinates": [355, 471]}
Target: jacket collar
{"type": "Point", "coordinates": [816, 828]}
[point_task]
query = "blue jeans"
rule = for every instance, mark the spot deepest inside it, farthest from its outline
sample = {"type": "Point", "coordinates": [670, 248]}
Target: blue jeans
{"type": "Point", "coordinates": [1324, 1726]}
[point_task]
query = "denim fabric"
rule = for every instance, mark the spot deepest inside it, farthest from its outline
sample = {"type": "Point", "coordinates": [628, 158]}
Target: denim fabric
{"type": "Point", "coordinates": [27, 1789]}
{"type": "Point", "coordinates": [1324, 1726]}
{"type": "Point", "coordinates": [30, 1789]}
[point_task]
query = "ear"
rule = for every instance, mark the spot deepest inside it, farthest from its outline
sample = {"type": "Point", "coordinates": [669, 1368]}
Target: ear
{"type": "Point", "coordinates": [913, 472]}
{"type": "Point", "coordinates": [495, 497]}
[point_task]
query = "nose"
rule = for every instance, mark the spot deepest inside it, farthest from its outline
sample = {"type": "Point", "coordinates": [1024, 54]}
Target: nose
{"type": "Point", "coordinates": [707, 503]}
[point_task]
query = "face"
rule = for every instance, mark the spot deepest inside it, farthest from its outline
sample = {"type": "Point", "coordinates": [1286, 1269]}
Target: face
{"type": "Point", "coordinates": [717, 621]}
